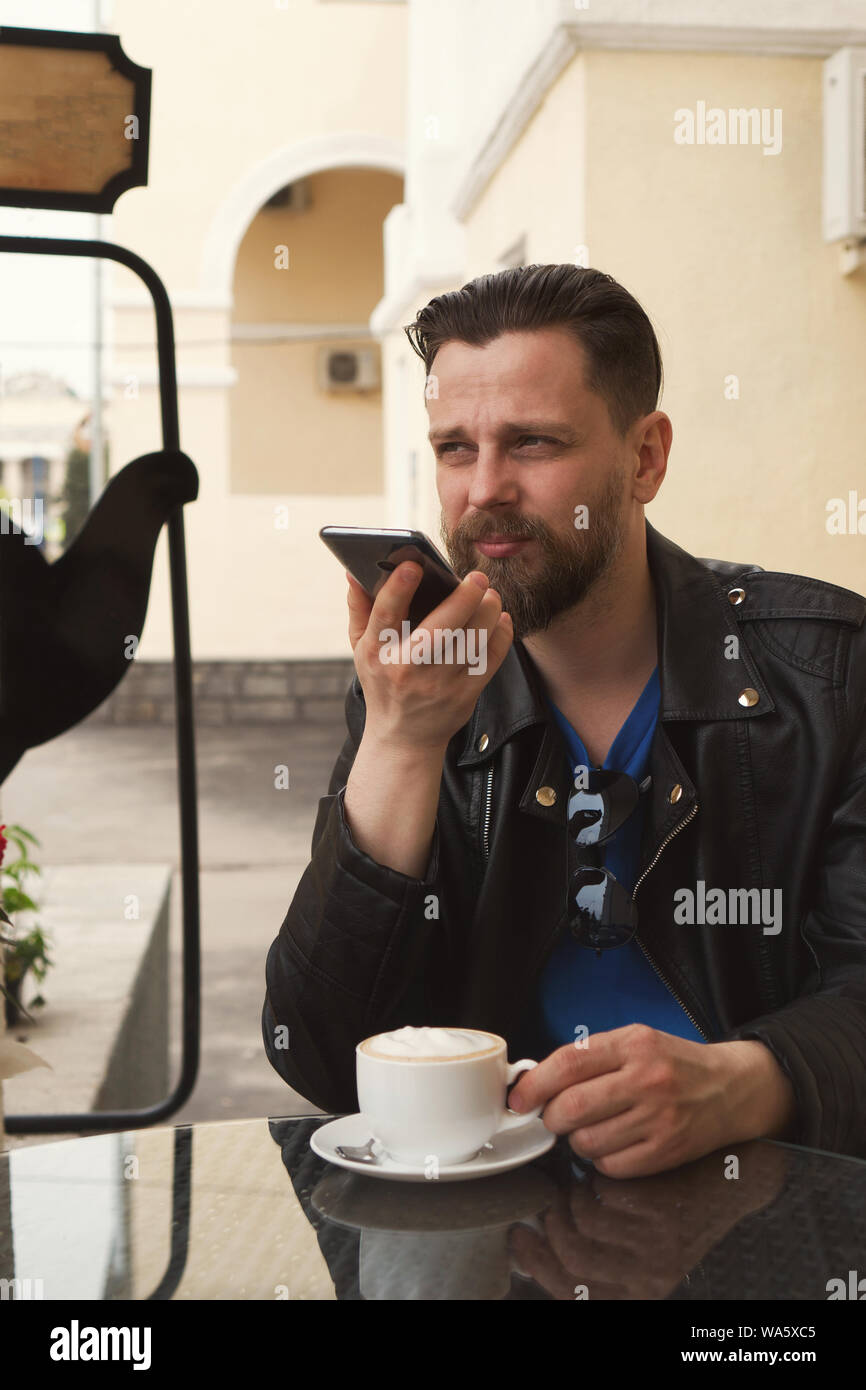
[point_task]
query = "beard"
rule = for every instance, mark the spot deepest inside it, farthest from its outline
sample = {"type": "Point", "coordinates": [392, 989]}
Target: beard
{"type": "Point", "coordinates": [569, 567]}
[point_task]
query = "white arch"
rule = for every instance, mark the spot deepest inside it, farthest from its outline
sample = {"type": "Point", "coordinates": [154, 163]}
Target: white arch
{"type": "Point", "coordinates": [295, 161]}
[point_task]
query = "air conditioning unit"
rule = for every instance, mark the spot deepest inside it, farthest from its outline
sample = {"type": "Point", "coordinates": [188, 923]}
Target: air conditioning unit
{"type": "Point", "coordinates": [349, 369]}
{"type": "Point", "coordinates": [844, 155]}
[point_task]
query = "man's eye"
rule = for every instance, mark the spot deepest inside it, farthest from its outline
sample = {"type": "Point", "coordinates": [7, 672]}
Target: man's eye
{"type": "Point", "coordinates": [524, 439]}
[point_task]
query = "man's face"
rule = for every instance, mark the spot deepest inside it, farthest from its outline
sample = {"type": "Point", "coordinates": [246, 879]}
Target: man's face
{"type": "Point", "coordinates": [521, 448]}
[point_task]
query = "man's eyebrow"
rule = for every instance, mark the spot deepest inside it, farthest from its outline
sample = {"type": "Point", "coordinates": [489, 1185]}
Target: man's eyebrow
{"type": "Point", "coordinates": [512, 427]}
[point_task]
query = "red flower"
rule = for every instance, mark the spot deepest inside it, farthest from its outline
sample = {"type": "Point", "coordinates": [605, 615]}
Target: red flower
{"type": "Point", "coordinates": [3, 843]}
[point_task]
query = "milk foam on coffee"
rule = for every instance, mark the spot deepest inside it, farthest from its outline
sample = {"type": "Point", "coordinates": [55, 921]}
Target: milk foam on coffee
{"type": "Point", "coordinates": [430, 1042]}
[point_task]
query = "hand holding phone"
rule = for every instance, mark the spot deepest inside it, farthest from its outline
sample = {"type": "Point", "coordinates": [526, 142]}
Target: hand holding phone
{"type": "Point", "coordinates": [370, 555]}
{"type": "Point", "coordinates": [421, 703]}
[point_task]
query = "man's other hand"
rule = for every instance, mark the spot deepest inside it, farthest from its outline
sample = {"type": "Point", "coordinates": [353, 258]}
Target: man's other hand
{"type": "Point", "coordinates": [638, 1101]}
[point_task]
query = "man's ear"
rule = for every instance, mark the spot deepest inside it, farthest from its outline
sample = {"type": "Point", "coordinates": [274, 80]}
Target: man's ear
{"type": "Point", "coordinates": [652, 443]}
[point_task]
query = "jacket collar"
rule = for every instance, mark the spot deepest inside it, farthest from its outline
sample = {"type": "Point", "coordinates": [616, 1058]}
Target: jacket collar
{"type": "Point", "coordinates": [698, 680]}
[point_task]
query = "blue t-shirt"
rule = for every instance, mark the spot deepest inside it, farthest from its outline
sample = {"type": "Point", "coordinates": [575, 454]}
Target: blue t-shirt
{"type": "Point", "coordinates": [579, 987]}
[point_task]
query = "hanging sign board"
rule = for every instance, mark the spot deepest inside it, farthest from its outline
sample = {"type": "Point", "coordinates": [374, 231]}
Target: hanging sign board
{"type": "Point", "coordinates": [74, 120]}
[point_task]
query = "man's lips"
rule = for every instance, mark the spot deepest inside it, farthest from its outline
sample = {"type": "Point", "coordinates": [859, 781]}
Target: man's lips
{"type": "Point", "coordinates": [500, 547]}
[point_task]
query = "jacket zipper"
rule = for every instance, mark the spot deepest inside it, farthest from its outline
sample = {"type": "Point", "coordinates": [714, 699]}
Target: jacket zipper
{"type": "Point", "coordinates": [487, 808]}
{"type": "Point", "coordinates": [665, 981]}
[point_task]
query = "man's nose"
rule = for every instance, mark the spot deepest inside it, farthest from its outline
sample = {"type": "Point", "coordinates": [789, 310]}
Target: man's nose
{"type": "Point", "coordinates": [494, 482]}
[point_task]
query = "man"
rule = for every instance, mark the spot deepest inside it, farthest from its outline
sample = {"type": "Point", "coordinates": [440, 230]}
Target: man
{"type": "Point", "coordinates": [723, 994]}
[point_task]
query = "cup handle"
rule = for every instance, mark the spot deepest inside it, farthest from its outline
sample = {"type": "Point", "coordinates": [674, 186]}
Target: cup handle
{"type": "Point", "coordinates": [511, 1118]}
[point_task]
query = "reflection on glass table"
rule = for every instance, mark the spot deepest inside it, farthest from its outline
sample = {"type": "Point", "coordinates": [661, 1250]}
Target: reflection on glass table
{"type": "Point", "coordinates": [246, 1210]}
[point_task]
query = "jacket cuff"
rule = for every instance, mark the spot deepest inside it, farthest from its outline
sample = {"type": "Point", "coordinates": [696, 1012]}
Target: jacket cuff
{"type": "Point", "coordinates": [801, 1126]}
{"type": "Point", "coordinates": [380, 877]}
{"type": "Point", "coordinates": [813, 1041]}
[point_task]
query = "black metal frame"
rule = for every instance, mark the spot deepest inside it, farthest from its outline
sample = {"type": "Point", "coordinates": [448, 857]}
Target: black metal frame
{"type": "Point", "coordinates": [99, 1120]}
{"type": "Point", "coordinates": [132, 177]}
{"type": "Point", "coordinates": [181, 1206]}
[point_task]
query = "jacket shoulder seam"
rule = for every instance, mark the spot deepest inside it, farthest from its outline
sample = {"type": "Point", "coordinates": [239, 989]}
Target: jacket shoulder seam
{"type": "Point", "coordinates": [815, 599]}
{"type": "Point", "coordinates": [851, 603]}
{"type": "Point", "coordinates": [790, 657]}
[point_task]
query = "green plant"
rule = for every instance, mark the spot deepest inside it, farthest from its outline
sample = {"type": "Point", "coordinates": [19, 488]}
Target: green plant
{"type": "Point", "coordinates": [25, 951]}
{"type": "Point", "coordinates": [75, 494]}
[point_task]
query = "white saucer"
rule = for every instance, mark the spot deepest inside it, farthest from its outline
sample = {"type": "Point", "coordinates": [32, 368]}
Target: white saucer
{"type": "Point", "coordinates": [505, 1151]}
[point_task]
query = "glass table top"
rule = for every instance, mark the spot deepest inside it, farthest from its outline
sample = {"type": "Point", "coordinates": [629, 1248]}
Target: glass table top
{"type": "Point", "coordinates": [246, 1210]}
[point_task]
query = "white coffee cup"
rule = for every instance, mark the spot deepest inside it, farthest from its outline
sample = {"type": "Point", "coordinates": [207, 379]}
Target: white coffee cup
{"type": "Point", "coordinates": [436, 1096]}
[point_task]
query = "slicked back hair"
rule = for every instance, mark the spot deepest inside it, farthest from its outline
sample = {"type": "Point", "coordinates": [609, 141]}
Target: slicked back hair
{"type": "Point", "coordinates": [623, 361]}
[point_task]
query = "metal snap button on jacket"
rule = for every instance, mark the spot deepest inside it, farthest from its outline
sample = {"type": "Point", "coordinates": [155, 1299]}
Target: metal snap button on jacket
{"type": "Point", "coordinates": [675, 794]}
{"type": "Point", "coordinates": [546, 796]}
{"type": "Point", "coordinates": [482, 743]}
{"type": "Point", "coordinates": [748, 696]}
{"type": "Point", "coordinates": [736, 596]}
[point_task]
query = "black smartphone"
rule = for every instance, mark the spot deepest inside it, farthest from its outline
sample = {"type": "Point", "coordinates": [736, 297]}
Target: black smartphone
{"type": "Point", "coordinates": [370, 554]}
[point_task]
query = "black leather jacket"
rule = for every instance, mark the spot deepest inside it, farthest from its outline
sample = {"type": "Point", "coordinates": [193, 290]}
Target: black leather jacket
{"type": "Point", "coordinates": [763, 790]}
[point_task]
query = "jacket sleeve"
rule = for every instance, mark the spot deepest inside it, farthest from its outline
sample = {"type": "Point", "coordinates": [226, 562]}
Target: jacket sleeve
{"type": "Point", "coordinates": [819, 1038]}
{"type": "Point", "coordinates": [360, 951]}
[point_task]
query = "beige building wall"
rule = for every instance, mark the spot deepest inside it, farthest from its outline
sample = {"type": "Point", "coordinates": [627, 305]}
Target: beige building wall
{"type": "Point", "coordinates": [288, 433]}
{"type": "Point", "coordinates": [570, 146]}
{"type": "Point", "coordinates": [722, 245]}
{"type": "Point", "coordinates": [537, 194]}
{"type": "Point", "coordinates": [245, 102]}
{"type": "Point", "coordinates": [235, 84]}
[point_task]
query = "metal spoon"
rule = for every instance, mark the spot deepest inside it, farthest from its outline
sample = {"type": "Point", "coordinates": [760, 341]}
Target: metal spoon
{"type": "Point", "coordinates": [358, 1153]}
{"type": "Point", "coordinates": [364, 1153]}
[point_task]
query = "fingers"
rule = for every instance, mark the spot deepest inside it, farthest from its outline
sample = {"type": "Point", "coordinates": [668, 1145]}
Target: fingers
{"type": "Point", "coordinates": [463, 603]}
{"type": "Point", "coordinates": [391, 605]}
{"type": "Point", "coordinates": [472, 604]}
{"type": "Point", "coordinates": [498, 643]}
{"type": "Point", "coordinates": [360, 606]}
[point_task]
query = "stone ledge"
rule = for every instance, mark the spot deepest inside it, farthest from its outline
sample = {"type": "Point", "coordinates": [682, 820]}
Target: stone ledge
{"type": "Point", "coordinates": [233, 692]}
{"type": "Point", "coordinates": [104, 1027]}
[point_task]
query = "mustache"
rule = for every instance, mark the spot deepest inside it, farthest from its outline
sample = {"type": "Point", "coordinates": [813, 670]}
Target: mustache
{"type": "Point", "coordinates": [512, 528]}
